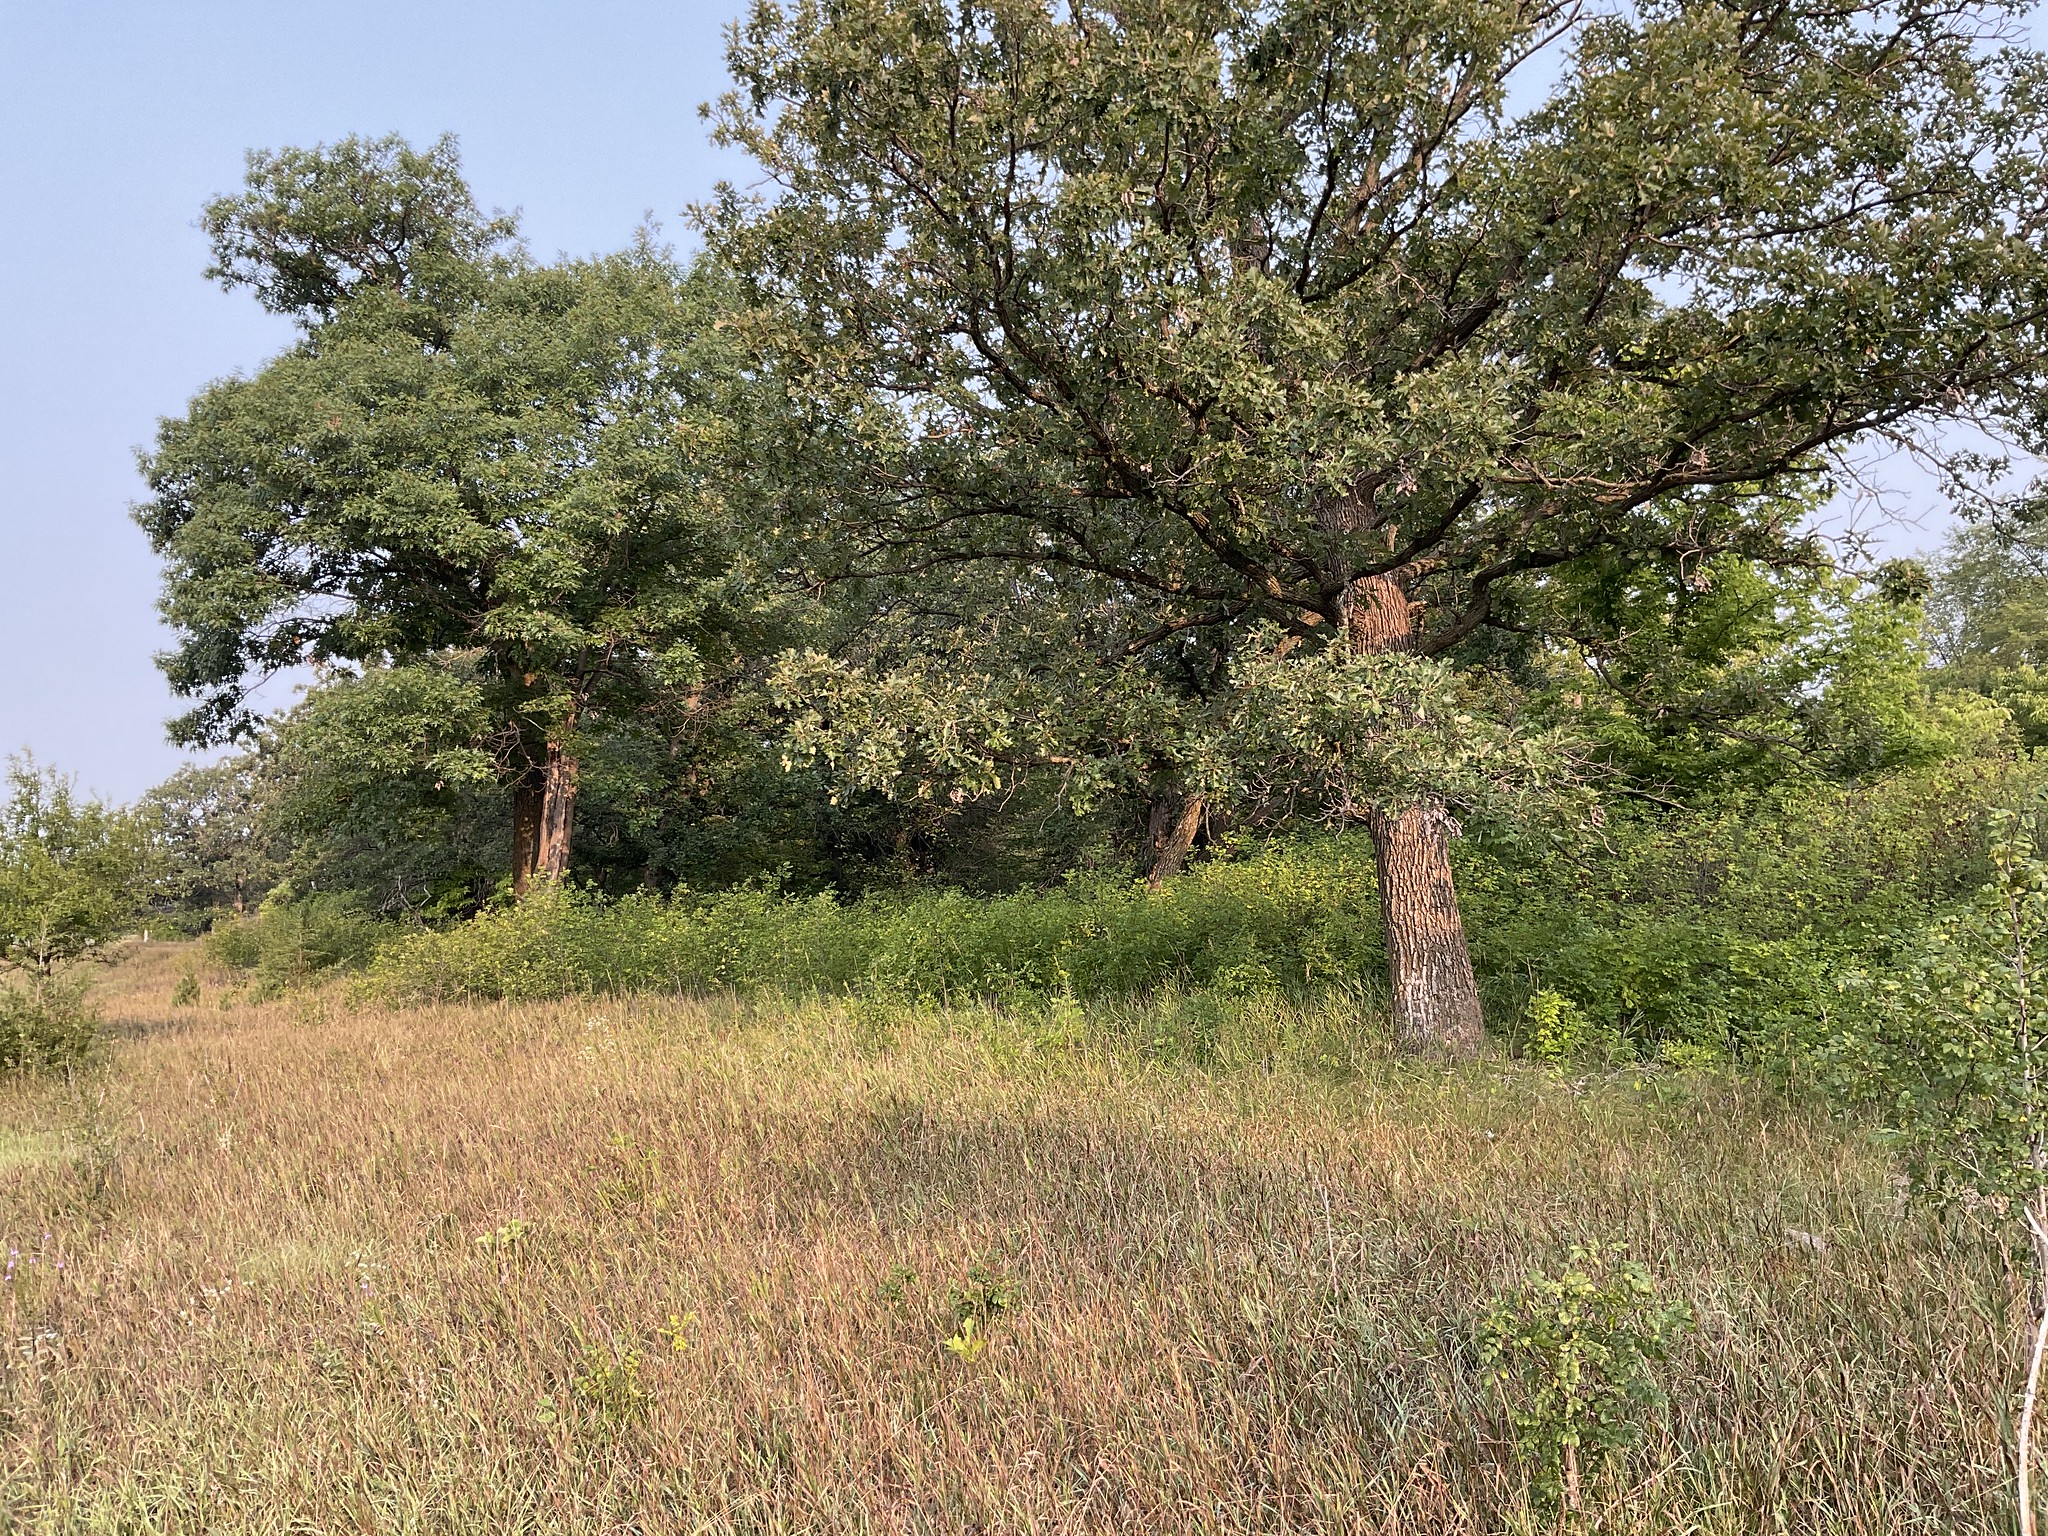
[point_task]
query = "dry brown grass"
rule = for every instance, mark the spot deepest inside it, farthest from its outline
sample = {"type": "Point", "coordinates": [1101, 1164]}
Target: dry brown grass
{"type": "Point", "coordinates": [1245, 1302]}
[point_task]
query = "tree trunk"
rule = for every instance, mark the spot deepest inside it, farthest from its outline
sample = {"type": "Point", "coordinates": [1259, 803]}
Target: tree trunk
{"type": "Point", "coordinates": [527, 796]}
{"type": "Point", "coordinates": [2037, 1233]}
{"type": "Point", "coordinates": [1435, 997]}
{"type": "Point", "coordinates": [1170, 835]}
{"type": "Point", "coordinates": [558, 812]}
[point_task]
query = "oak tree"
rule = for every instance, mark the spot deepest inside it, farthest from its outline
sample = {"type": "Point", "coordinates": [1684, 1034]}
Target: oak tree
{"type": "Point", "coordinates": [210, 824]}
{"type": "Point", "coordinates": [1358, 325]}
{"type": "Point", "coordinates": [482, 476]}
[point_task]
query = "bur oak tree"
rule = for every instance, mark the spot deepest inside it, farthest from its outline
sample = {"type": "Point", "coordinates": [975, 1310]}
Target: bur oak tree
{"type": "Point", "coordinates": [477, 480]}
{"type": "Point", "coordinates": [1245, 329]}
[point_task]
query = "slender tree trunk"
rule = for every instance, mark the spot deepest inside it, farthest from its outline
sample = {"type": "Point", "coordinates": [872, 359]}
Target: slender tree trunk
{"type": "Point", "coordinates": [558, 812]}
{"type": "Point", "coordinates": [527, 797]}
{"type": "Point", "coordinates": [1435, 996]}
{"type": "Point", "coordinates": [1170, 835]}
{"type": "Point", "coordinates": [2037, 1234]}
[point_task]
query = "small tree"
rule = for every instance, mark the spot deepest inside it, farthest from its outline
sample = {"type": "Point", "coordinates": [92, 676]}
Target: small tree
{"type": "Point", "coordinates": [72, 878]}
{"type": "Point", "coordinates": [1577, 1357]}
{"type": "Point", "coordinates": [1953, 1053]}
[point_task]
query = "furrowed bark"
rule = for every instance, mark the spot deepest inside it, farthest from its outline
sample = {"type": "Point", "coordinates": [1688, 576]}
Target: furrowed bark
{"type": "Point", "coordinates": [1435, 997]}
{"type": "Point", "coordinates": [558, 812]}
{"type": "Point", "coordinates": [527, 798]}
{"type": "Point", "coordinates": [1170, 835]}
{"type": "Point", "coordinates": [1434, 994]}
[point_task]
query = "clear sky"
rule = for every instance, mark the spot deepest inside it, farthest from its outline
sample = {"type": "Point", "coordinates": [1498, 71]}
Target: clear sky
{"type": "Point", "coordinates": [117, 122]}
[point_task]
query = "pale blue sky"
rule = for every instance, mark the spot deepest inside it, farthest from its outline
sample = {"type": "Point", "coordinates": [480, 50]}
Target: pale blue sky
{"type": "Point", "coordinates": [117, 121]}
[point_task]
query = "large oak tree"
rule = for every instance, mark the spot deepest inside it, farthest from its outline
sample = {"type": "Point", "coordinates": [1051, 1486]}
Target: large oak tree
{"type": "Point", "coordinates": [480, 484]}
{"type": "Point", "coordinates": [1364, 324]}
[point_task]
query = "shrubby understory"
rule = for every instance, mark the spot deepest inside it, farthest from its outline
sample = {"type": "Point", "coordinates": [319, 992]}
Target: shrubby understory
{"type": "Point", "coordinates": [1702, 935]}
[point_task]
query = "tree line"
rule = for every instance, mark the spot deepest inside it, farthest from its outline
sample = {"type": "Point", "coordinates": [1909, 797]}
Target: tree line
{"type": "Point", "coordinates": [1099, 433]}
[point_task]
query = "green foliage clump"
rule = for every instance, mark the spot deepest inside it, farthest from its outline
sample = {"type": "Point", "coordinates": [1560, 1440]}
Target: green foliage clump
{"type": "Point", "coordinates": [1558, 1030]}
{"type": "Point", "coordinates": [288, 941]}
{"type": "Point", "coordinates": [72, 873]}
{"type": "Point", "coordinates": [376, 788]}
{"type": "Point", "coordinates": [608, 1387]}
{"type": "Point", "coordinates": [51, 1026]}
{"type": "Point", "coordinates": [1950, 1047]}
{"type": "Point", "coordinates": [1344, 733]}
{"type": "Point", "coordinates": [1988, 613]}
{"type": "Point", "coordinates": [1731, 928]}
{"type": "Point", "coordinates": [1288, 919]}
{"type": "Point", "coordinates": [986, 1293]}
{"type": "Point", "coordinates": [1736, 672]}
{"type": "Point", "coordinates": [1576, 1358]}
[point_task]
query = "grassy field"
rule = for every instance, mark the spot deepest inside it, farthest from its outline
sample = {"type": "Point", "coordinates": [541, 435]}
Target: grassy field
{"type": "Point", "coordinates": [658, 1265]}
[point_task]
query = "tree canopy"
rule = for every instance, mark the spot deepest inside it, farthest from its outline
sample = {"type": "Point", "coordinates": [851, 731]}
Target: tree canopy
{"type": "Point", "coordinates": [471, 464]}
{"type": "Point", "coordinates": [1204, 323]}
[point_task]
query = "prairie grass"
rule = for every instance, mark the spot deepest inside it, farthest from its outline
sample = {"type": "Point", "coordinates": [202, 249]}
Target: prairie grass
{"type": "Point", "coordinates": [660, 1264]}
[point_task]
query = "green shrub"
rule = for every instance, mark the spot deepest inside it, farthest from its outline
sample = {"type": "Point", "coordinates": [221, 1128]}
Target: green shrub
{"type": "Point", "coordinates": [1691, 936]}
{"type": "Point", "coordinates": [1576, 1359]}
{"type": "Point", "coordinates": [1728, 930]}
{"type": "Point", "coordinates": [1949, 1054]}
{"type": "Point", "coordinates": [235, 943]}
{"type": "Point", "coordinates": [46, 1027]}
{"type": "Point", "coordinates": [289, 941]}
{"type": "Point", "coordinates": [1557, 1030]}
{"type": "Point", "coordinates": [1294, 919]}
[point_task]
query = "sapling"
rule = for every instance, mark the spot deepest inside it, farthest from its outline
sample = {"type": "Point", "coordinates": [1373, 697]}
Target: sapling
{"type": "Point", "coordinates": [1576, 1357]}
{"type": "Point", "coordinates": [1951, 1051]}
{"type": "Point", "coordinates": [1558, 1031]}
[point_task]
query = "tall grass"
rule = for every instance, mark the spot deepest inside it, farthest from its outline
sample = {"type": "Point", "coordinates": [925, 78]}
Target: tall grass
{"type": "Point", "coordinates": [292, 1267]}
